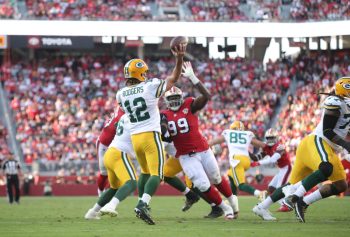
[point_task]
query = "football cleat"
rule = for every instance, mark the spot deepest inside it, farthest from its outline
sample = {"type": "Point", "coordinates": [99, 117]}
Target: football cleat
{"type": "Point", "coordinates": [290, 201]}
{"type": "Point", "coordinates": [263, 213]}
{"type": "Point", "coordinates": [143, 213]}
{"type": "Point", "coordinates": [108, 209]}
{"type": "Point", "coordinates": [215, 212]}
{"type": "Point", "coordinates": [300, 210]}
{"type": "Point", "coordinates": [92, 215]}
{"type": "Point", "coordinates": [284, 208]}
{"type": "Point", "coordinates": [191, 198]}
{"type": "Point", "coordinates": [228, 211]}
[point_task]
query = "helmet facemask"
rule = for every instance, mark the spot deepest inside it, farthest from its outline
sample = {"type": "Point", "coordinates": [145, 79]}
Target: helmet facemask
{"type": "Point", "coordinates": [174, 102]}
{"type": "Point", "coordinates": [270, 141]}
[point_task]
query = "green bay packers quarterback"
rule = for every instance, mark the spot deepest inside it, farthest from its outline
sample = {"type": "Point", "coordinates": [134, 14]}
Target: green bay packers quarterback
{"type": "Point", "coordinates": [139, 100]}
{"type": "Point", "coordinates": [316, 157]}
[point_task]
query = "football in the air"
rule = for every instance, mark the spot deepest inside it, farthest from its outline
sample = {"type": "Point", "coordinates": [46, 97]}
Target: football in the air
{"type": "Point", "coordinates": [178, 40]}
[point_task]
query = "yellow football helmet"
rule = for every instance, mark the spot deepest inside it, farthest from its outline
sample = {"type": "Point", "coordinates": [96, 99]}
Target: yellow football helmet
{"type": "Point", "coordinates": [237, 125]}
{"type": "Point", "coordinates": [342, 87]}
{"type": "Point", "coordinates": [136, 68]}
{"type": "Point", "coordinates": [271, 137]}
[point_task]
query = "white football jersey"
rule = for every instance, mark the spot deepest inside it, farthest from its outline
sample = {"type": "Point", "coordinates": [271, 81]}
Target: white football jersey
{"type": "Point", "coordinates": [140, 103]}
{"type": "Point", "coordinates": [343, 124]}
{"type": "Point", "coordinates": [238, 142]}
{"type": "Point", "coordinates": [122, 138]}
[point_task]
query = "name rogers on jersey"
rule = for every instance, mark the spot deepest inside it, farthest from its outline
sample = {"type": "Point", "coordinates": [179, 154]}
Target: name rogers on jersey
{"type": "Point", "coordinates": [133, 91]}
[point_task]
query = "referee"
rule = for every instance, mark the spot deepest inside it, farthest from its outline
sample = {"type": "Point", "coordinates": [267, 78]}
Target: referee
{"type": "Point", "coordinates": [11, 169]}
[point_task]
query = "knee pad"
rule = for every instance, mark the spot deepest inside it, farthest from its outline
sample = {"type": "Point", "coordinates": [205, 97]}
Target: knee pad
{"type": "Point", "coordinates": [202, 185]}
{"type": "Point", "coordinates": [326, 169]}
{"type": "Point", "coordinates": [216, 178]}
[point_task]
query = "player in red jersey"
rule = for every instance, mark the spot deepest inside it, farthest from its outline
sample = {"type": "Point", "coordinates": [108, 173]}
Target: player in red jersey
{"type": "Point", "coordinates": [104, 139]}
{"type": "Point", "coordinates": [196, 158]}
{"type": "Point", "coordinates": [275, 153]}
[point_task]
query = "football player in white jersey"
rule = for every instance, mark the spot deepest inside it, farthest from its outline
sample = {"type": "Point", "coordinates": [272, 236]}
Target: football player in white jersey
{"type": "Point", "coordinates": [238, 141]}
{"type": "Point", "coordinates": [121, 173]}
{"type": "Point", "coordinates": [139, 100]}
{"type": "Point", "coordinates": [316, 157]}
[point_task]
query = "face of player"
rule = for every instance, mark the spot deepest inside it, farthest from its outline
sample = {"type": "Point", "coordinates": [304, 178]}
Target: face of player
{"type": "Point", "coordinates": [174, 102]}
{"type": "Point", "coordinates": [270, 141]}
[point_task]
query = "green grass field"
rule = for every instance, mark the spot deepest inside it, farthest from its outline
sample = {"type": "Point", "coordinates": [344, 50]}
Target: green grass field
{"type": "Point", "coordinates": [63, 216]}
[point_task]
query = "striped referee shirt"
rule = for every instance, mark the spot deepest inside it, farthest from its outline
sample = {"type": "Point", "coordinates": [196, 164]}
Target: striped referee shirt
{"type": "Point", "coordinates": [11, 167]}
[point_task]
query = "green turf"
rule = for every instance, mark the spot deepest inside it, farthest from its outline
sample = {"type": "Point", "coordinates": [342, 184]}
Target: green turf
{"type": "Point", "coordinates": [63, 216]}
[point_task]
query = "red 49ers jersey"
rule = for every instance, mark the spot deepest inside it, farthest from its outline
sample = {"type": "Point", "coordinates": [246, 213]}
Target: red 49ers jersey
{"type": "Point", "coordinates": [184, 130]}
{"type": "Point", "coordinates": [108, 132]}
{"type": "Point", "coordinates": [281, 162]}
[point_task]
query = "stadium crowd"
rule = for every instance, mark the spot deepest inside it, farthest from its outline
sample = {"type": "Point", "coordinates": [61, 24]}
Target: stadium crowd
{"type": "Point", "coordinates": [183, 10]}
{"type": "Point", "coordinates": [315, 73]}
{"type": "Point", "coordinates": [61, 103]}
{"type": "Point", "coordinates": [6, 10]}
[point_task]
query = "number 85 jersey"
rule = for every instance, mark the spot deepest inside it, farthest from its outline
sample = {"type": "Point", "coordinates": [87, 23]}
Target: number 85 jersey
{"type": "Point", "coordinates": [184, 130]}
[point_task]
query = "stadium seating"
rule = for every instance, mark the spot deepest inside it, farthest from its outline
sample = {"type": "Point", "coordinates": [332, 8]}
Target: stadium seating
{"type": "Point", "coordinates": [315, 73]}
{"type": "Point", "coordinates": [55, 97]}
{"type": "Point", "coordinates": [166, 10]}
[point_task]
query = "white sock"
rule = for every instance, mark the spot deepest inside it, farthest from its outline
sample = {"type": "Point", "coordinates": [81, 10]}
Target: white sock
{"type": "Point", "coordinates": [186, 191]}
{"type": "Point", "coordinates": [146, 198]}
{"type": "Point", "coordinates": [300, 192]}
{"type": "Point", "coordinates": [96, 207]}
{"type": "Point", "coordinates": [99, 192]}
{"type": "Point", "coordinates": [313, 197]}
{"type": "Point", "coordinates": [266, 203]}
{"type": "Point", "coordinates": [257, 193]}
{"type": "Point", "coordinates": [115, 201]}
{"type": "Point", "coordinates": [233, 200]}
{"type": "Point", "coordinates": [280, 202]}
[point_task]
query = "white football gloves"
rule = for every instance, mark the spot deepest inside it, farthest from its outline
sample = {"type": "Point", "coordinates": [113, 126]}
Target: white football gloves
{"type": "Point", "coordinates": [187, 71]}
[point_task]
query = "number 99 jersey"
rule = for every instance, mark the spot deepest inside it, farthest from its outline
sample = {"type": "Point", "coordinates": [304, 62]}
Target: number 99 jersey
{"type": "Point", "coordinates": [184, 130]}
{"type": "Point", "coordinates": [238, 141]}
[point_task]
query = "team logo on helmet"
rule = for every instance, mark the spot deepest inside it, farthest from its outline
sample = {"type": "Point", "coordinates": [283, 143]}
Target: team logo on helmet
{"type": "Point", "coordinates": [139, 65]}
{"type": "Point", "coordinates": [346, 86]}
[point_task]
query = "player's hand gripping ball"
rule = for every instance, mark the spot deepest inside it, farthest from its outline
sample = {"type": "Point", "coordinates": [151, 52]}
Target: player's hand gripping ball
{"type": "Point", "coordinates": [177, 41]}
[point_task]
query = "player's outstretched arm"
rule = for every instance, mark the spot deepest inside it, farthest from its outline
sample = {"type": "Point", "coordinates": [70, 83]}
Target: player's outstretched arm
{"type": "Point", "coordinates": [201, 100]}
{"type": "Point", "coordinates": [217, 140]}
{"type": "Point", "coordinates": [257, 143]}
{"type": "Point", "coordinates": [179, 52]}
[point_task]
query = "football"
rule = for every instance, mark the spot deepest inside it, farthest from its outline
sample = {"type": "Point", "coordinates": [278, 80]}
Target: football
{"type": "Point", "coordinates": [178, 40]}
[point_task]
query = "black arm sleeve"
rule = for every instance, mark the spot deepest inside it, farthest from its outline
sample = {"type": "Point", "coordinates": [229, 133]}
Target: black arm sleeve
{"type": "Point", "coordinates": [329, 122]}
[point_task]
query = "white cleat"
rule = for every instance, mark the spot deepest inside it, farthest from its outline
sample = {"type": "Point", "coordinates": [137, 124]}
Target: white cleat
{"type": "Point", "coordinates": [92, 215]}
{"type": "Point", "coordinates": [263, 213]}
{"type": "Point", "coordinates": [228, 211]}
{"type": "Point", "coordinates": [108, 209]}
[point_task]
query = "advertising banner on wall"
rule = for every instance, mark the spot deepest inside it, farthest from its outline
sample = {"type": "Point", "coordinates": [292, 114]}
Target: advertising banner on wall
{"type": "Point", "coordinates": [52, 42]}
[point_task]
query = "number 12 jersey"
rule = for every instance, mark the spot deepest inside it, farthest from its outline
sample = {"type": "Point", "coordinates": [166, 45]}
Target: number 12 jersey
{"type": "Point", "coordinates": [184, 130]}
{"type": "Point", "coordinates": [140, 103]}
